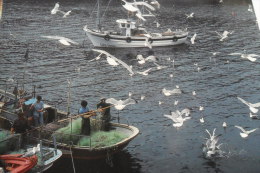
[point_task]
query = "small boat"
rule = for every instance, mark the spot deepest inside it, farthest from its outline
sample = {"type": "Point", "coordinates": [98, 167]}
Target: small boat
{"type": "Point", "coordinates": [132, 32]}
{"type": "Point", "coordinates": [93, 150]}
{"type": "Point", "coordinates": [24, 157]}
{"type": "Point", "coordinates": [15, 163]}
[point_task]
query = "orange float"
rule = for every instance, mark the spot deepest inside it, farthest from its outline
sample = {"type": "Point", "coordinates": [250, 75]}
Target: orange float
{"type": "Point", "coordinates": [15, 163]}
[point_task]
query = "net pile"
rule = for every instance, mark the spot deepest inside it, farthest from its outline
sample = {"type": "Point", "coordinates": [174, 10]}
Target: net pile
{"type": "Point", "coordinates": [72, 133]}
{"type": "Point", "coordinates": [8, 142]}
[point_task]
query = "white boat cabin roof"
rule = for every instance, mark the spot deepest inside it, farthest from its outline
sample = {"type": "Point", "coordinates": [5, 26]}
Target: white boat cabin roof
{"type": "Point", "coordinates": [124, 23]}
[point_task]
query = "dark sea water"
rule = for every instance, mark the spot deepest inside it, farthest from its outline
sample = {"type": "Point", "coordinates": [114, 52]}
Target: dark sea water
{"type": "Point", "coordinates": [159, 147]}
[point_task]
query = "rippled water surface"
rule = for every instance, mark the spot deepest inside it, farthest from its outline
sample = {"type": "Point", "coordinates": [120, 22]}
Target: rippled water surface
{"type": "Point", "coordinates": [159, 147]}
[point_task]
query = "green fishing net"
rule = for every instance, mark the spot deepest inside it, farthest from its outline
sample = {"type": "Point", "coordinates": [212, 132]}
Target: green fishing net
{"type": "Point", "coordinates": [8, 142]}
{"type": "Point", "coordinates": [64, 134]}
{"type": "Point", "coordinates": [102, 139]}
{"type": "Point", "coordinates": [97, 139]}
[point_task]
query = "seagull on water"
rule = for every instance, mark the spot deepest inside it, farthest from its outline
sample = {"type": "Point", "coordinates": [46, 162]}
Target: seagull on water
{"type": "Point", "coordinates": [224, 124]}
{"type": "Point", "coordinates": [251, 106]}
{"type": "Point", "coordinates": [250, 57]}
{"type": "Point", "coordinates": [194, 93]}
{"type": "Point", "coordinates": [63, 40]}
{"type": "Point", "coordinates": [189, 15]}
{"type": "Point", "coordinates": [142, 97]}
{"type": "Point", "coordinates": [171, 92]}
{"type": "Point", "coordinates": [121, 104]}
{"type": "Point", "coordinates": [202, 120]}
{"type": "Point", "coordinates": [192, 40]}
{"type": "Point", "coordinates": [142, 60]}
{"type": "Point", "coordinates": [177, 118]}
{"type": "Point", "coordinates": [250, 8]}
{"type": "Point", "coordinates": [244, 132]}
{"type": "Point", "coordinates": [224, 35]}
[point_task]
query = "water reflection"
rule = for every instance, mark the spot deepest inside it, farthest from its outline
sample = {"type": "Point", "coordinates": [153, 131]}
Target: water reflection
{"type": "Point", "coordinates": [122, 162]}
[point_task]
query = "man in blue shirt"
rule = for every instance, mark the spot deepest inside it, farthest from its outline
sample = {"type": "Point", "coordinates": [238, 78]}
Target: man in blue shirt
{"type": "Point", "coordinates": [85, 128]}
{"type": "Point", "coordinates": [38, 111]}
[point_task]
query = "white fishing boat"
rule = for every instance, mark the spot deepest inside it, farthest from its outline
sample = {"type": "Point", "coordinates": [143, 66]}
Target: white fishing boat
{"type": "Point", "coordinates": [132, 32]}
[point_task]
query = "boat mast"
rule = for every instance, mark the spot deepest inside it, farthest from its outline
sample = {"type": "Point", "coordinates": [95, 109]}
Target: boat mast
{"type": "Point", "coordinates": [98, 16]}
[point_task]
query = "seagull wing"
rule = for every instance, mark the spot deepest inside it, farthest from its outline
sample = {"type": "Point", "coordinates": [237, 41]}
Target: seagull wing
{"type": "Point", "coordinates": [256, 105]}
{"type": "Point", "coordinates": [129, 101]}
{"type": "Point", "coordinates": [64, 42]}
{"type": "Point", "coordinates": [97, 58]}
{"type": "Point", "coordinates": [170, 117]}
{"type": "Point", "coordinates": [55, 9]}
{"type": "Point", "coordinates": [111, 61]}
{"type": "Point", "coordinates": [235, 54]}
{"type": "Point", "coordinates": [140, 16]}
{"type": "Point", "coordinates": [250, 58]}
{"type": "Point", "coordinates": [253, 55]}
{"type": "Point", "coordinates": [151, 57]}
{"type": "Point", "coordinates": [112, 101]}
{"type": "Point", "coordinates": [252, 109]}
{"type": "Point", "coordinates": [251, 131]}
{"type": "Point", "coordinates": [145, 4]}
{"type": "Point", "coordinates": [219, 34]}
{"type": "Point", "coordinates": [118, 60]}
{"type": "Point", "coordinates": [241, 128]}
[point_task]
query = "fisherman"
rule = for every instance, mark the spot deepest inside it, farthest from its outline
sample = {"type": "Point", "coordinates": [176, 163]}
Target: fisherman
{"type": "Point", "coordinates": [20, 125]}
{"type": "Point", "coordinates": [105, 111]}
{"type": "Point", "coordinates": [38, 109]}
{"type": "Point", "coordinates": [85, 128]}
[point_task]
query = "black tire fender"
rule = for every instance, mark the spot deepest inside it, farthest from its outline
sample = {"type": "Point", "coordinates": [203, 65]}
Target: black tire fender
{"type": "Point", "coordinates": [128, 39]}
{"type": "Point", "coordinates": [174, 39]}
{"type": "Point", "coordinates": [107, 37]}
{"type": "Point", "coordinates": [150, 40]}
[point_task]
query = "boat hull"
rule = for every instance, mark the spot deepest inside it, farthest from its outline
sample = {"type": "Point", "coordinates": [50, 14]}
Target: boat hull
{"type": "Point", "coordinates": [89, 153]}
{"type": "Point", "coordinates": [116, 41]}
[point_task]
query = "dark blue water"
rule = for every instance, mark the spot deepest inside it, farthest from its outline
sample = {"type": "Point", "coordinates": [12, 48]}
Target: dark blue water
{"type": "Point", "coordinates": [160, 147]}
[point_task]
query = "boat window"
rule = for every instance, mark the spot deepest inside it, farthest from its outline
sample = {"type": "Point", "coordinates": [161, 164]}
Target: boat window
{"type": "Point", "coordinates": [128, 25]}
{"type": "Point", "coordinates": [123, 25]}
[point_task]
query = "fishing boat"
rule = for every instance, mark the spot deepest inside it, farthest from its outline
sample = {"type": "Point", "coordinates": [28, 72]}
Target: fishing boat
{"type": "Point", "coordinates": [132, 32]}
{"type": "Point", "coordinates": [70, 143]}
{"type": "Point", "coordinates": [11, 103]}
{"type": "Point", "coordinates": [22, 158]}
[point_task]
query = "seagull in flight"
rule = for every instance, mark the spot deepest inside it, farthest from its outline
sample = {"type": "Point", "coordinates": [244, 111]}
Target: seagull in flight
{"type": "Point", "coordinates": [156, 3]}
{"type": "Point", "coordinates": [192, 40]}
{"type": "Point", "coordinates": [56, 9]}
{"type": "Point", "coordinates": [251, 106]}
{"type": "Point", "coordinates": [129, 68]}
{"type": "Point", "coordinates": [244, 132]}
{"type": "Point", "coordinates": [63, 40]}
{"type": "Point", "coordinates": [177, 118]}
{"type": "Point", "coordinates": [190, 15]}
{"type": "Point", "coordinates": [121, 104]}
{"type": "Point", "coordinates": [224, 35]}
{"type": "Point", "coordinates": [250, 57]}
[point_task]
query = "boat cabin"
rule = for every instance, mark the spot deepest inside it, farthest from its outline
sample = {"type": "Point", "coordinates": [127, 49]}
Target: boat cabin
{"type": "Point", "coordinates": [129, 28]}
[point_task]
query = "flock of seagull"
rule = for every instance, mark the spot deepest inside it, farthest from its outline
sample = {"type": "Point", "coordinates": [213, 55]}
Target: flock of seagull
{"type": "Point", "coordinates": [211, 148]}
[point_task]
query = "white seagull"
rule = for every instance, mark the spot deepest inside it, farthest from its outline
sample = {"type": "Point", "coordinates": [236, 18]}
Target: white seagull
{"type": "Point", "coordinates": [63, 40]}
{"type": "Point", "coordinates": [251, 106]}
{"type": "Point", "coordinates": [129, 68]}
{"type": "Point", "coordinates": [156, 3]}
{"type": "Point", "coordinates": [250, 57]}
{"type": "Point", "coordinates": [244, 132]}
{"type": "Point", "coordinates": [171, 92]}
{"type": "Point", "coordinates": [202, 120]}
{"type": "Point", "coordinates": [224, 35]}
{"type": "Point", "coordinates": [192, 40]}
{"type": "Point", "coordinates": [120, 104]}
{"type": "Point", "coordinates": [190, 15]}
{"type": "Point", "coordinates": [56, 9]}
{"type": "Point", "coordinates": [177, 118]}
{"type": "Point", "coordinates": [250, 8]}
{"type": "Point", "coordinates": [224, 124]}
